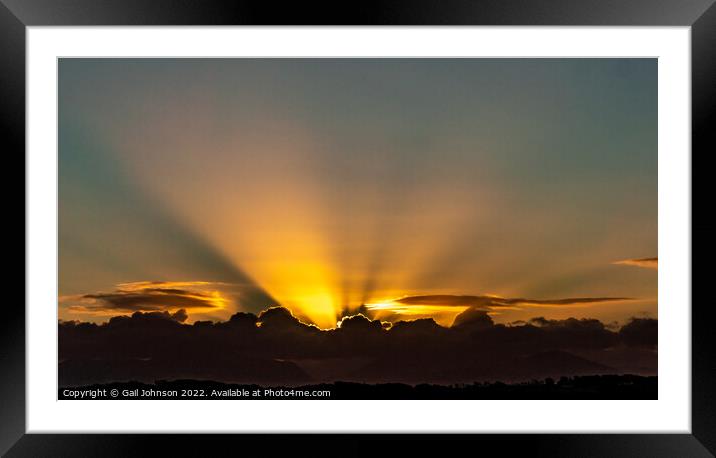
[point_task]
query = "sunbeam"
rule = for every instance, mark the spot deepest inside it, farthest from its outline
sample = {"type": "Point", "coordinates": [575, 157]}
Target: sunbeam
{"type": "Point", "coordinates": [338, 186]}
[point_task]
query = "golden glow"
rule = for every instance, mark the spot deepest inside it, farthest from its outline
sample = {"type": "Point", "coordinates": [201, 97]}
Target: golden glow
{"type": "Point", "coordinates": [263, 192]}
{"type": "Point", "coordinates": [393, 311]}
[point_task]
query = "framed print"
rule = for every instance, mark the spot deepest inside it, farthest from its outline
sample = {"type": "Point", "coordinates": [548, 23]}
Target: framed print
{"type": "Point", "coordinates": [468, 219]}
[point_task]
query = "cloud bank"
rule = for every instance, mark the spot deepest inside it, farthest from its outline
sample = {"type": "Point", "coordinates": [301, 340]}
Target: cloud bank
{"type": "Point", "coordinates": [443, 307]}
{"type": "Point", "coordinates": [274, 347]}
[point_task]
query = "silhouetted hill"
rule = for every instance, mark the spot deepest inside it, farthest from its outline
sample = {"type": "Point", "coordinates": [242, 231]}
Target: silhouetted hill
{"type": "Point", "coordinates": [556, 363]}
{"type": "Point", "coordinates": [220, 366]}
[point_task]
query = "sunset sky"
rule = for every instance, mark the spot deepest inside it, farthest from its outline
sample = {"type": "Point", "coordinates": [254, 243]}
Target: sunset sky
{"type": "Point", "coordinates": [398, 188]}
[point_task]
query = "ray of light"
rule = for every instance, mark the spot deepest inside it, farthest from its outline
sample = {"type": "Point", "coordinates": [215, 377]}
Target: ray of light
{"type": "Point", "coordinates": [331, 184]}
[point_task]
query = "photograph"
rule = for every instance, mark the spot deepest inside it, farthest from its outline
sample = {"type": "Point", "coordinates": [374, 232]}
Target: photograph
{"type": "Point", "coordinates": [357, 228]}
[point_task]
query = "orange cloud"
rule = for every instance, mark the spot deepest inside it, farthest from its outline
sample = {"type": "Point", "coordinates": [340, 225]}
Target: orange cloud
{"type": "Point", "coordinates": [146, 296]}
{"type": "Point", "coordinates": [647, 263]}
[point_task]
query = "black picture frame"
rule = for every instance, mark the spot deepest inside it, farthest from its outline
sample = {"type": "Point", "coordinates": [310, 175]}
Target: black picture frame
{"type": "Point", "coordinates": [700, 15]}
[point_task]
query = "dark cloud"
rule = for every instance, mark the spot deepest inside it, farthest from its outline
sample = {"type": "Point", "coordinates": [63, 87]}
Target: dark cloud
{"type": "Point", "coordinates": [473, 318]}
{"type": "Point", "coordinates": [280, 319]}
{"type": "Point", "coordinates": [147, 297]}
{"type": "Point", "coordinates": [640, 332]}
{"type": "Point", "coordinates": [648, 263]}
{"type": "Point", "coordinates": [180, 315]}
{"type": "Point", "coordinates": [132, 302]}
{"type": "Point", "coordinates": [359, 323]}
{"type": "Point", "coordinates": [275, 347]}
